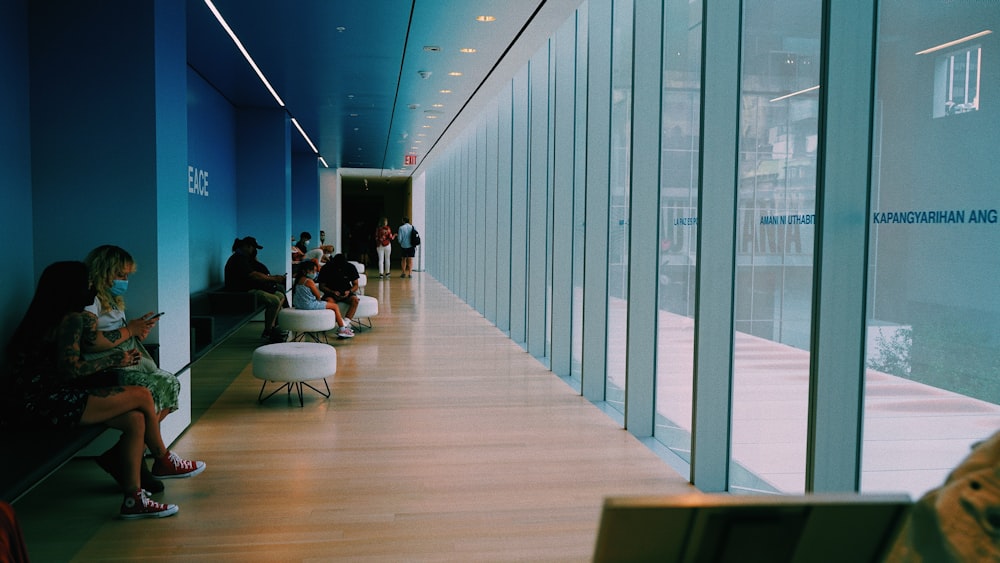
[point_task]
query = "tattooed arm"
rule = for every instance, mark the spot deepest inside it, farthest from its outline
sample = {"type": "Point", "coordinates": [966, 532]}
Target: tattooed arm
{"type": "Point", "coordinates": [75, 329]}
{"type": "Point", "coordinates": [101, 340]}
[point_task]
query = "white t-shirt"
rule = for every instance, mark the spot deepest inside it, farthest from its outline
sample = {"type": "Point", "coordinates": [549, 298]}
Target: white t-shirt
{"type": "Point", "coordinates": [314, 254]}
{"type": "Point", "coordinates": [107, 320]}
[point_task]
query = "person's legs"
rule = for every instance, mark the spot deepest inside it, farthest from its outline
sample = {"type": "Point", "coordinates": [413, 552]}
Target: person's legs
{"type": "Point", "coordinates": [383, 260]}
{"type": "Point", "coordinates": [273, 302]}
{"type": "Point", "coordinates": [104, 405]}
{"type": "Point", "coordinates": [354, 300]}
{"type": "Point", "coordinates": [332, 305]}
{"type": "Point", "coordinates": [136, 436]}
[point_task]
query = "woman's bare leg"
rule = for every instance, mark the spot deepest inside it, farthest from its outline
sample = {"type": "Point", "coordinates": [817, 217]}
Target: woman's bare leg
{"type": "Point", "coordinates": [106, 404]}
{"type": "Point", "coordinates": [129, 448]}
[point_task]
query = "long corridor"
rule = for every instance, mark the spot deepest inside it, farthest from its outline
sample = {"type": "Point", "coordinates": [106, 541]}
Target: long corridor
{"type": "Point", "coordinates": [443, 441]}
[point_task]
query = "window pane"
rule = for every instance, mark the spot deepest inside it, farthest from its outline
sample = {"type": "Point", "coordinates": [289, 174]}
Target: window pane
{"type": "Point", "coordinates": [678, 225]}
{"type": "Point", "coordinates": [618, 239]}
{"type": "Point", "coordinates": [933, 329]}
{"type": "Point", "coordinates": [774, 254]}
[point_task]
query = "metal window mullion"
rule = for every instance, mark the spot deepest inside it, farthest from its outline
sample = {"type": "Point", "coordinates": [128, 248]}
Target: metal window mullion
{"type": "Point", "coordinates": [836, 386]}
{"type": "Point", "coordinates": [715, 272]}
{"type": "Point", "coordinates": [644, 211]}
{"type": "Point", "coordinates": [595, 268]}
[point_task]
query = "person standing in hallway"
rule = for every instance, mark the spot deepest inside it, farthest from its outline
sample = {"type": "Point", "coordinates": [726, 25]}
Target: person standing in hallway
{"type": "Point", "coordinates": [383, 247]}
{"type": "Point", "coordinates": [407, 247]}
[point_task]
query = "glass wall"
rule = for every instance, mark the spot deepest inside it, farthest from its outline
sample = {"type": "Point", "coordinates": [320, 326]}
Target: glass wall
{"type": "Point", "coordinates": [618, 232]}
{"type": "Point", "coordinates": [774, 255]}
{"type": "Point", "coordinates": [930, 298]}
{"type": "Point", "coordinates": [933, 323]}
{"type": "Point", "coordinates": [678, 224]}
{"type": "Point", "coordinates": [579, 194]}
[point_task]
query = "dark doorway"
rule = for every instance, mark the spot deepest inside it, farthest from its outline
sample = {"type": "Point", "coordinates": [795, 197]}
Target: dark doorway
{"type": "Point", "coordinates": [366, 201]}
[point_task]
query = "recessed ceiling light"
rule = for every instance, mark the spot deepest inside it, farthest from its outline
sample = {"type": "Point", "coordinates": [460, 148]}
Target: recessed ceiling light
{"type": "Point", "coordinates": [354, 115]}
{"type": "Point", "coordinates": [445, 91]}
{"type": "Point", "coordinates": [421, 134]}
{"type": "Point", "coordinates": [437, 105]}
{"type": "Point", "coordinates": [426, 126]}
{"type": "Point", "coordinates": [341, 29]}
{"type": "Point", "coordinates": [431, 116]}
{"type": "Point", "coordinates": [486, 18]}
{"type": "Point", "coordinates": [454, 73]}
{"type": "Point", "coordinates": [432, 48]}
{"type": "Point", "coordinates": [467, 50]}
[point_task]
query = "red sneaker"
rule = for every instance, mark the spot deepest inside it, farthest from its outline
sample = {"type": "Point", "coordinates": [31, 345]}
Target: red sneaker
{"type": "Point", "coordinates": [172, 466]}
{"type": "Point", "coordinates": [139, 505]}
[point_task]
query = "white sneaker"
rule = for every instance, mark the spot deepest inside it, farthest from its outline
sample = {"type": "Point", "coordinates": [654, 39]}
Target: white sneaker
{"type": "Point", "coordinates": [345, 332]}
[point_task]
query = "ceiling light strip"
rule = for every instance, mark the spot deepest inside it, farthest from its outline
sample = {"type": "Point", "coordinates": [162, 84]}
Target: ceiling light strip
{"type": "Point", "coordinates": [295, 122]}
{"type": "Point", "coordinates": [243, 50]}
{"type": "Point", "coordinates": [786, 96]}
{"type": "Point", "coordinates": [955, 42]}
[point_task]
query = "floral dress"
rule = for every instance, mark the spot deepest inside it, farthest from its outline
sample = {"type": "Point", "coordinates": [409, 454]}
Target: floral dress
{"type": "Point", "coordinates": [163, 385]}
{"type": "Point", "coordinates": [49, 384]}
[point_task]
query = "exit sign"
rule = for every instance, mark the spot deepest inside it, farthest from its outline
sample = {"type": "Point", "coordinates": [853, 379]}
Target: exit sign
{"type": "Point", "coordinates": [410, 160]}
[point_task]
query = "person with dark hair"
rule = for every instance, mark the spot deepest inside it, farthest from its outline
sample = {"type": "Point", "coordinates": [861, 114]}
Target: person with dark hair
{"type": "Point", "coordinates": [338, 280]}
{"type": "Point", "coordinates": [383, 247]}
{"type": "Point", "coordinates": [245, 273]}
{"type": "Point", "coordinates": [306, 296]}
{"type": "Point", "coordinates": [49, 383]}
{"type": "Point", "coordinates": [304, 239]}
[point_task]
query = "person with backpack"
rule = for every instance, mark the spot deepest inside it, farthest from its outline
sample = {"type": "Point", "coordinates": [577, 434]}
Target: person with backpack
{"type": "Point", "coordinates": [408, 241]}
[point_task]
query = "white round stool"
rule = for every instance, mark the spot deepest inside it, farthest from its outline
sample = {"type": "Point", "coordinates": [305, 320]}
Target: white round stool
{"type": "Point", "coordinates": [294, 364]}
{"type": "Point", "coordinates": [367, 308]}
{"type": "Point", "coordinates": [307, 322]}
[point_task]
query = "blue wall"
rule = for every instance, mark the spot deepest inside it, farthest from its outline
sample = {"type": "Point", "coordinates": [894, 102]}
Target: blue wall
{"type": "Point", "coordinates": [211, 182]}
{"type": "Point", "coordinates": [18, 277]}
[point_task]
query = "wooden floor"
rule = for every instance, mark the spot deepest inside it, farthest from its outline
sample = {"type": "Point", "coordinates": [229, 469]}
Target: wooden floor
{"type": "Point", "coordinates": [443, 441]}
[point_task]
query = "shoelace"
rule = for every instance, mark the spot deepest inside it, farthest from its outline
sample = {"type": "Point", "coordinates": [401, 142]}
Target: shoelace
{"type": "Point", "coordinates": [178, 461]}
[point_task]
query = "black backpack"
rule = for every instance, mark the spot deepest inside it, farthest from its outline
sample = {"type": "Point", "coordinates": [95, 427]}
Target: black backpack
{"type": "Point", "coordinates": [414, 237]}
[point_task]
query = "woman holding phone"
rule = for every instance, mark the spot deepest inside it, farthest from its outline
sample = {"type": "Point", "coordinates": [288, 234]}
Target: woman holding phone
{"type": "Point", "coordinates": [48, 383]}
{"type": "Point", "coordinates": [110, 267]}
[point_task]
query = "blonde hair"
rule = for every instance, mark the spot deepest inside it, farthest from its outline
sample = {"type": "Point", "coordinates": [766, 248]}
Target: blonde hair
{"type": "Point", "coordinates": [105, 263]}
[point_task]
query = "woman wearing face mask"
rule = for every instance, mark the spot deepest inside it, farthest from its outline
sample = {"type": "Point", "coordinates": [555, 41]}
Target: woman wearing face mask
{"type": "Point", "coordinates": [110, 267]}
{"type": "Point", "coordinates": [305, 295]}
{"type": "Point", "coordinates": [49, 383]}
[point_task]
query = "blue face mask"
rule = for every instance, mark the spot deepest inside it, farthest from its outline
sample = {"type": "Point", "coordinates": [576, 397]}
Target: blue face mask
{"type": "Point", "coordinates": [119, 287]}
{"type": "Point", "coordinates": [312, 275]}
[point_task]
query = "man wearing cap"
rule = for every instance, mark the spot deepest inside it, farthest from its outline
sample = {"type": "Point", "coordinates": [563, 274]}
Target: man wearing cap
{"type": "Point", "coordinates": [245, 273]}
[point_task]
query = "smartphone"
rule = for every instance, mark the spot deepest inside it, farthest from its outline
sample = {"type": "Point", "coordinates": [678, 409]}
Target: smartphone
{"type": "Point", "coordinates": [156, 316]}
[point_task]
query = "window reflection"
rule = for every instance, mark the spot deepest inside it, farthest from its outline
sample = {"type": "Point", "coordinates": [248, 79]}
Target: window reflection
{"type": "Point", "coordinates": [774, 254]}
{"type": "Point", "coordinates": [678, 225]}
{"type": "Point", "coordinates": [931, 385]}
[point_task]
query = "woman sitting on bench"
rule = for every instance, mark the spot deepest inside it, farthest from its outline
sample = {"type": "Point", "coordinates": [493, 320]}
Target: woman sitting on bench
{"type": "Point", "coordinates": [50, 384]}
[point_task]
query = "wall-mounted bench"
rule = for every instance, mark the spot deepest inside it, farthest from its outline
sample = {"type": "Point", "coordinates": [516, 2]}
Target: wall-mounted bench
{"type": "Point", "coordinates": [217, 314]}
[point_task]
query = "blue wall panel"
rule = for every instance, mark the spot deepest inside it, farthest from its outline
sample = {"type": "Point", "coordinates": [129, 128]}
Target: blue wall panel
{"type": "Point", "coordinates": [211, 182]}
{"type": "Point", "coordinates": [18, 277]}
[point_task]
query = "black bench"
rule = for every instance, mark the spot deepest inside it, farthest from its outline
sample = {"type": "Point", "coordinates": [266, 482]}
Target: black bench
{"type": "Point", "coordinates": [30, 455]}
{"type": "Point", "coordinates": [216, 314]}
